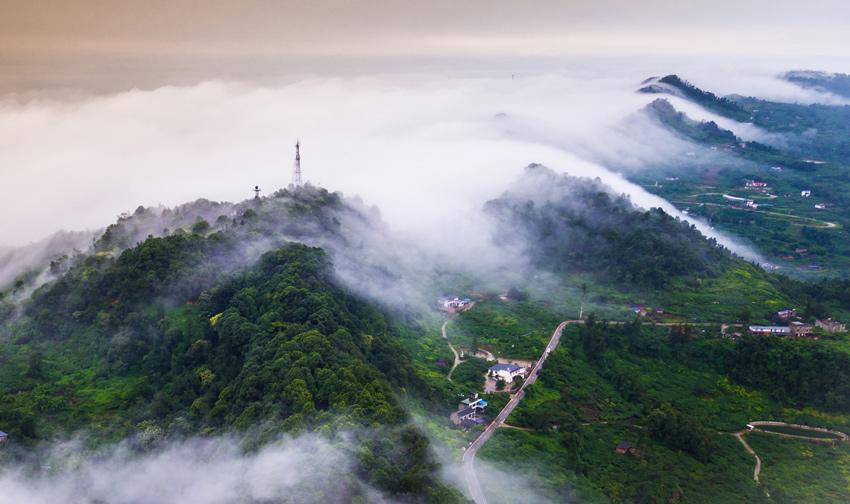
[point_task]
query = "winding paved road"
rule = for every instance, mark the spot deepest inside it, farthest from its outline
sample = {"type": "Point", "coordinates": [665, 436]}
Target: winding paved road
{"type": "Point", "coordinates": [469, 455]}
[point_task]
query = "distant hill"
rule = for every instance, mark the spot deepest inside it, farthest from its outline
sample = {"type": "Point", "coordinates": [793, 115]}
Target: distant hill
{"type": "Point", "coordinates": [835, 83]}
{"type": "Point", "coordinates": [709, 134]}
{"type": "Point", "coordinates": [673, 84]}
{"type": "Point", "coordinates": [814, 131]}
{"type": "Point", "coordinates": [577, 224]}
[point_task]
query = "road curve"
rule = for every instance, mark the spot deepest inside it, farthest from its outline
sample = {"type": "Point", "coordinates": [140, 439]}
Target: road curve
{"type": "Point", "coordinates": [468, 460]}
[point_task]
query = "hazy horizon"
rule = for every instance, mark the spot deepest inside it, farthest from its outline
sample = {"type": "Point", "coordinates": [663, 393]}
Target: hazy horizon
{"type": "Point", "coordinates": [105, 106]}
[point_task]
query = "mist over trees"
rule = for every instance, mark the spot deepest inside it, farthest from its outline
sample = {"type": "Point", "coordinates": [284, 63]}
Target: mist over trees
{"type": "Point", "coordinates": [569, 224]}
{"type": "Point", "coordinates": [190, 333]}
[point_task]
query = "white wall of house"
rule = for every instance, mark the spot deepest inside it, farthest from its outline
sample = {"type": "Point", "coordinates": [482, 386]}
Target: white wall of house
{"type": "Point", "coordinates": [508, 376]}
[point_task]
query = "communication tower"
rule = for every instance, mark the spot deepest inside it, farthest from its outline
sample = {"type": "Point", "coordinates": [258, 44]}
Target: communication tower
{"type": "Point", "coordinates": [296, 175]}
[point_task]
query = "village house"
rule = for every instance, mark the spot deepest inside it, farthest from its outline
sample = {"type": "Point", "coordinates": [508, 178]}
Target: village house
{"type": "Point", "coordinates": [785, 315]}
{"type": "Point", "coordinates": [506, 372]}
{"type": "Point", "coordinates": [463, 416]}
{"type": "Point", "coordinates": [473, 402]}
{"type": "Point", "coordinates": [831, 326]}
{"type": "Point", "coordinates": [770, 330]}
{"type": "Point", "coordinates": [806, 194]}
{"type": "Point", "coordinates": [801, 330]}
{"type": "Point", "coordinates": [755, 184]}
{"type": "Point", "coordinates": [625, 448]}
{"type": "Point", "coordinates": [467, 414]}
{"type": "Point", "coordinates": [454, 304]}
{"type": "Point", "coordinates": [641, 310]}
{"type": "Point", "coordinates": [3, 437]}
{"type": "Point", "coordinates": [820, 206]}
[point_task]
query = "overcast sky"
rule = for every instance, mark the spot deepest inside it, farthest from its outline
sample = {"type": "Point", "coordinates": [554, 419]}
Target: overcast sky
{"type": "Point", "coordinates": [109, 104]}
{"type": "Point", "coordinates": [100, 44]}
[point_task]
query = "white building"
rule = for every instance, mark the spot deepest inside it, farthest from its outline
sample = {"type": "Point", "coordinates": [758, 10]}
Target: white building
{"type": "Point", "coordinates": [454, 304]}
{"type": "Point", "coordinates": [506, 372]}
{"type": "Point", "coordinates": [806, 194]}
{"type": "Point", "coordinates": [770, 330]}
{"type": "Point", "coordinates": [473, 402]}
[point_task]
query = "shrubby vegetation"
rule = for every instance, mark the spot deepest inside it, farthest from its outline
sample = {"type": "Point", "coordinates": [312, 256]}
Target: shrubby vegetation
{"type": "Point", "coordinates": [798, 372]}
{"type": "Point", "coordinates": [675, 393]}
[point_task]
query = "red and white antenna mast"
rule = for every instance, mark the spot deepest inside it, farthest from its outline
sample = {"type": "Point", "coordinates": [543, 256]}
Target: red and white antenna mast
{"type": "Point", "coordinates": [296, 175]}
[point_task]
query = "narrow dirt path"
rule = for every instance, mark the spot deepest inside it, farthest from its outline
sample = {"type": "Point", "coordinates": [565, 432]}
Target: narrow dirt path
{"type": "Point", "coordinates": [515, 427]}
{"type": "Point", "coordinates": [757, 470]}
{"type": "Point", "coordinates": [840, 436]}
{"type": "Point", "coordinates": [457, 357]}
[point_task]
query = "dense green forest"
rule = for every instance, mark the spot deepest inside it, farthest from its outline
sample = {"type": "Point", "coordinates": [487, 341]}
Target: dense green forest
{"type": "Point", "coordinates": [572, 225]}
{"type": "Point", "coordinates": [169, 337]}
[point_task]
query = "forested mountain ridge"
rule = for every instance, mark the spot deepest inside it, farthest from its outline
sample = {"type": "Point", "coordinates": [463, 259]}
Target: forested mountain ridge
{"type": "Point", "coordinates": [202, 332]}
{"type": "Point", "coordinates": [836, 83]}
{"type": "Point", "coordinates": [313, 215]}
{"type": "Point", "coordinates": [708, 133]}
{"type": "Point", "coordinates": [815, 130]}
{"type": "Point", "coordinates": [572, 224]}
{"type": "Point", "coordinates": [676, 85]}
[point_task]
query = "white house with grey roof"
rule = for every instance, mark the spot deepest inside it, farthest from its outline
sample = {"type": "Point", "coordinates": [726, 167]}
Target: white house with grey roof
{"type": "Point", "coordinates": [506, 372]}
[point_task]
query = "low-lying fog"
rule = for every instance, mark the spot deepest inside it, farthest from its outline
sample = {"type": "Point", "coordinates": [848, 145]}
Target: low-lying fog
{"type": "Point", "coordinates": [428, 150]}
{"type": "Point", "coordinates": [209, 471]}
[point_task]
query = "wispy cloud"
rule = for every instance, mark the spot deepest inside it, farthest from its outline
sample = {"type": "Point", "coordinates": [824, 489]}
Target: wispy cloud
{"type": "Point", "coordinates": [203, 471]}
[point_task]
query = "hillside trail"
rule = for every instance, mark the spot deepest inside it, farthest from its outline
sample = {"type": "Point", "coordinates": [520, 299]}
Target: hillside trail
{"type": "Point", "coordinates": [457, 357]}
{"type": "Point", "coordinates": [753, 426]}
{"type": "Point", "coordinates": [757, 470]}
